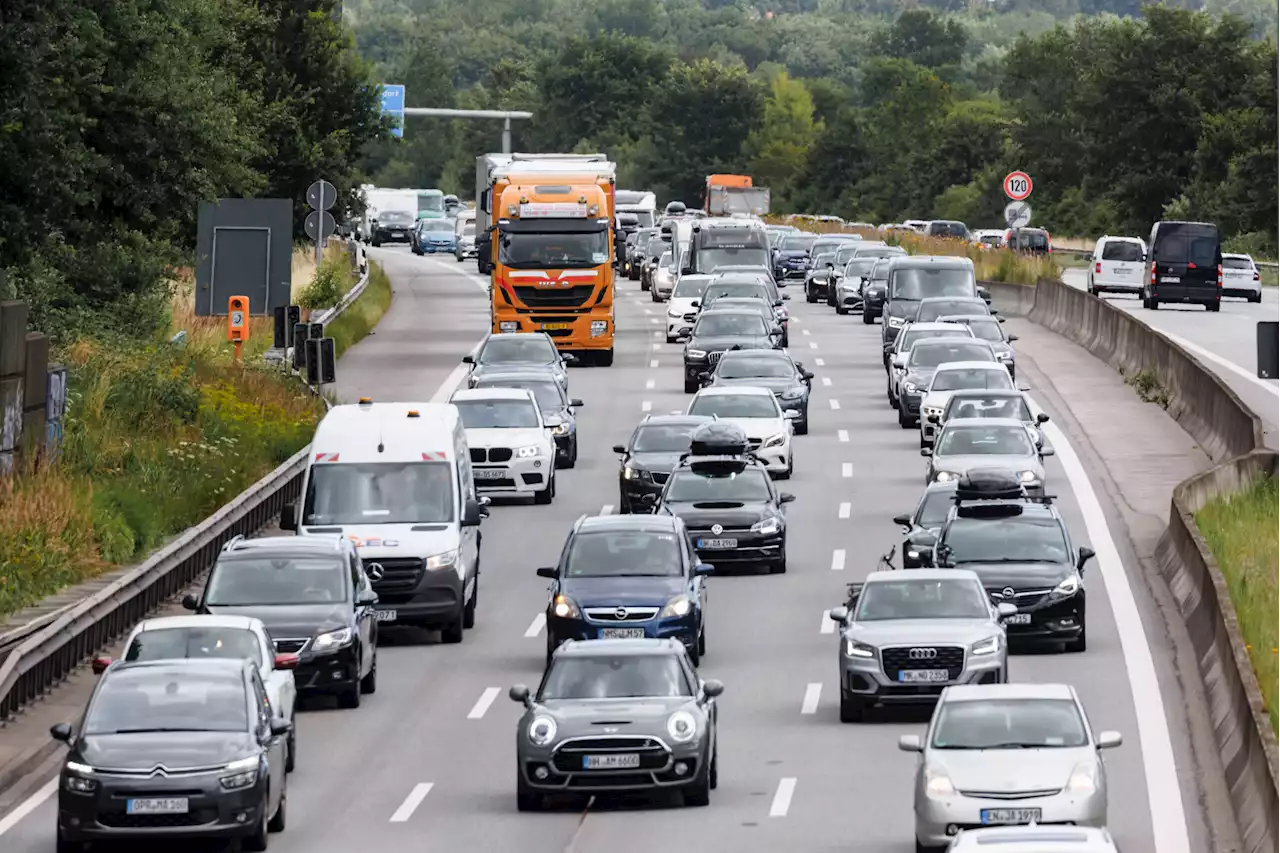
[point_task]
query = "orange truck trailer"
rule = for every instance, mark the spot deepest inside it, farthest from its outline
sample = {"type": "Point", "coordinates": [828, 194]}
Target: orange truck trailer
{"type": "Point", "coordinates": [551, 251]}
{"type": "Point", "coordinates": [735, 194]}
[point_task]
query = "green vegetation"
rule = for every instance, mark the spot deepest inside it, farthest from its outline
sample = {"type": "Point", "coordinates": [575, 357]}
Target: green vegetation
{"type": "Point", "coordinates": [857, 108]}
{"type": "Point", "coordinates": [354, 324]}
{"type": "Point", "coordinates": [1241, 532]}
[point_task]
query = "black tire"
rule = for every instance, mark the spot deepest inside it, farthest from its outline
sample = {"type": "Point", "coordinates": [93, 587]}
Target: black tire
{"type": "Point", "coordinates": [852, 710]}
{"type": "Point", "coordinates": [369, 684]}
{"type": "Point", "coordinates": [527, 802]}
{"type": "Point", "coordinates": [350, 698]}
{"type": "Point", "coordinates": [809, 295]}
{"type": "Point", "coordinates": [690, 385]}
{"type": "Point", "coordinates": [841, 310]}
{"type": "Point", "coordinates": [280, 819]}
{"type": "Point", "coordinates": [548, 494]}
{"type": "Point", "coordinates": [702, 639]}
{"type": "Point", "coordinates": [831, 299]}
{"type": "Point", "coordinates": [1079, 644]}
{"type": "Point", "coordinates": [376, 243]}
{"type": "Point", "coordinates": [671, 340]}
{"type": "Point", "coordinates": [867, 317]}
{"type": "Point", "coordinates": [904, 420]}
{"type": "Point", "coordinates": [1256, 298]}
{"type": "Point", "coordinates": [605, 358]}
{"type": "Point", "coordinates": [451, 634]}
{"type": "Point", "coordinates": [698, 793]}
{"type": "Point", "coordinates": [779, 567]}
{"type": "Point", "coordinates": [654, 295]}
{"type": "Point", "coordinates": [458, 258]}
{"type": "Point", "coordinates": [65, 846]}
{"type": "Point", "coordinates": [292, 746]}
{"type": "Point", "coordinates": [695, 655]}
{"type": "Point", "coordinates": [893, 401]}
{"type": "Point", "coordinates": [551, 647]}
{"type": "Point", "coordinates": [573, 454]}
{"type": "Point", "coordinates": [802, 426]}
{"type": "Point", "coordinates": [257, 841]}
{"type": "Point", "coordinates": [469, 611]}
{"type": "Point", "coordinates": [1214, 306]}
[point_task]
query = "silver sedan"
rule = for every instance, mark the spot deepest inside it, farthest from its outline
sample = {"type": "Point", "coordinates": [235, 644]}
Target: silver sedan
{"type": "Point", "coordinates": [968, 444]}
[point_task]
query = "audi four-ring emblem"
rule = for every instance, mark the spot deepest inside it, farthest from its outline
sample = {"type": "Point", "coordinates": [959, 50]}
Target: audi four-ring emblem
{"type": "Point", "coordinates": [923, 654]}
{"type": "Point", "coordinates": [374, 571]}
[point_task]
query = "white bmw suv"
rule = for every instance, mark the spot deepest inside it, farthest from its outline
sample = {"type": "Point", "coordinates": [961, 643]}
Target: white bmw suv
{"type": "Point", "coordinates": [513, 451]}
{"type": "Point", "coordinates": [757, 412]}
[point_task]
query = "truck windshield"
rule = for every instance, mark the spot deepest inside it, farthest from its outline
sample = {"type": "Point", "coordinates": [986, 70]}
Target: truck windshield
{"type": "Point", "coordinates": [379, 493]}
{"type": "Point", "coordinates": [709, 260]}
{"type": "Point", "coordinates": [430, 203]}
{"type": "Point", "coordinates": [915, 283]}
{"type": "Point", "coordinates": [578, 250]}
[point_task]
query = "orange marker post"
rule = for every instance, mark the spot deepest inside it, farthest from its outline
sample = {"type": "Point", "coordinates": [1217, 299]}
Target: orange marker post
{"type": "Point", "coordinates": [238, 322]}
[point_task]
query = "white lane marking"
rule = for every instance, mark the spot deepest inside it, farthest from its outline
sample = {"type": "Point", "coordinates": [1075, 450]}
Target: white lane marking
{"type": "Point", "coordinates": [782, 798]}
{"type": "Point", "coordinates": [812, 693]}
{"type": "Point", "coordinates": [653, 363]}
{"type": "Point", "coordinates": [450, 384]}
{"type": "Point", "coordinates": [813, 344]}
{"type": "Point", "coordinates": [657, 335]}
{"type": "Point", "coordinates": [653, 320]}
{"type": "Point", "coordinates": [1169, 829]}
{"type": "Point", "coordinates": [648, 311]}
{"type": "Point", "coordinates": [846, 468]}
{"type": "Point", "coordinates": [650, 383]}
{"type": "Point", "coordinates": [482, 704]}
{"type": "Point", "coordinates": [28, 805]}
{"type": "Point", "coordinates": [826, 380]}
{"type": "Point", "coordinates": [411, 802]}
{"type": "Point", "coordinates": [828, 626]}
{"type": "Point", "coordinates": [804, 331]}
{"type": "Point", "coordinates": [536, 626]}
{"type": "Point", "coordinates": [845, 509]}
{"type": "Point", "coordinates": [646, 405]}
{"type": "Point", "coordinates": [835, 404]}
{"type": "Point", "coordinates": [607, 509]}
{"type": "Point", "coordinates": [843, 435]}
{"type": "Point", "coordinates": [1222, 362]}
{"type": "Point", "coordinates": [819, 362]}
{"type": "Point", "coordinates": [837, 560]}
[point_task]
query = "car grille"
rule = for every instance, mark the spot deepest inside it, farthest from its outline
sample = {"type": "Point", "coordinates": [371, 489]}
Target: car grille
{"type": "Point", "coordinates": [399, 575]}
{"type": "Point", "coordinates": [1022, 598]}
{"type": "Point", "coordinates": [493, 454]}
{"type": "Point", "coordinates": [290, 646]}
{"type": "Point", "coordinates": [707, 529]}
{"type": "Point", "coordinates": [658, 477]}
{"type": "Point", "coordinates": [577, 296]}
{"type": "Point", "coordinates": [610, 614]}
{"type": "Point", "coordinates": [754, 443]}
{"type": "Point", "coordinates": [568, 756]}
{"type": "Point", "coordinates": [123, 820]}
{"type": "Point", "coordinates": [714, 358]}
{"type": "Point", "coordinates": [950, 658]}
{"type": "Point", "coordinates": [1011, 795]}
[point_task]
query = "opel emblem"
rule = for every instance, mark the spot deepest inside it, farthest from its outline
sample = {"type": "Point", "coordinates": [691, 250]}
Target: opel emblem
{"type": "Point", "coordinates": [1007, 592]}
{"type": "Point", "coordinates": [621, 613]}
{"type": "Point", "coordinates": [374, 571]}
{"type": "Point", "coordinates": [717, 529]}
{"type": "Point", "coordinates": [923, 654]}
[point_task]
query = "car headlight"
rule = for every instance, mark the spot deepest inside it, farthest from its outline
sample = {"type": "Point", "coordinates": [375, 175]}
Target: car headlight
{"type": "Point", "coordinates": [682, 727]}
{"type": "Point", "coordinates": [932, 410]}
{"type": "Point", "coordinates": [895, 322]}
{"type": "Point", "coordinates": [1005, 356]}
{"type": "Point", "coordinates": [565, 608]}
{"type": "Point", "coordinates": [938, 784]}
{"type": "Point", "coordinates": [528, 452]}
{"type": "Point", "coordinates": [854, 649]}
{"type": "Point", "coordinates": [910, 387]}
{"type": "Point", "coordinates": [1069, 586]}
{"type": "Point", "coordinates": [944, 476]}
{"type": "Point", "coordinates": [1028, 476]}
{"type": "Point", "coordinates": [989, 646]}
{"type": "Point", "coordinates": [768, 526]}
{"type": "Point", "coordinates": [561, 428]}
{"type": "Point", "coordinates": [1084, 779]}
{"type": "Point", "coordinates": [78, 778]}
{"type": "Point", "coordinates": [442, 561]}
{"type": "Point", "coordinates": [332, 640]}
{"type": "Point", "coordinates": [542, 731]}
{"type": "Point", "coordinates": [674, 314]}
{"type": "Point", "coordinates": [678, 606]}
{"type": "Point", "coordinates": [775, 440]}
{"type": "Point", "coordinates": [793, 393]}
{"type": "Point", "coordinates": [241, 774]}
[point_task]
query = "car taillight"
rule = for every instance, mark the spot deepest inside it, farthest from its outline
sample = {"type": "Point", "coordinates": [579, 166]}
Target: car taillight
{"type": "Point", "coordinates": [1257, 276]}
{"type": "Point", "coordinates": [1219, 275]}
{"type": "Point", "coordinates": [1097, 268]}
{"type": "Point", "coordinates": [1153, 274]}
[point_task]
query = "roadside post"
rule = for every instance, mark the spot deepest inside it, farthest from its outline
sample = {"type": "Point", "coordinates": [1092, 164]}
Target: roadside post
{"type": "Point", "coordinates": [1268, 349]}
{"type": "Point", "coordinates": [320, 223]}
{"type": "Point", "coordinates": [238, 323]}
{"type": "Point", "coordinates": [1017, 214]}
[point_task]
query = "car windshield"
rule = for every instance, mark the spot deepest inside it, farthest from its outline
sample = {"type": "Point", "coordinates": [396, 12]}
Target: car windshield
{"type": "Point", "coordinates": [1010, 724]}
{"type": "Point", "coordinates": [954, 598]}
{"type": "Point", "coordinates": [880, 272]}
{"type": "Point", "coordinates": [469, 230]}
{"type": "Point", "coordinates": [1030, 238]}
{"type": "Point", "coordinates": [956, 379]}
{"type": "Point", "coordinates": [708, 260]}
{"type": "Point", "coordinates": [821, 260]}
{"type": "Point", "coordinates": [689, 288]}
{"type": "Point", "coordinates": [656, 247]}
{"type": "Point", "coordinates": [279, 581]}
{"type": "Point", "coordinates": [989, 407]}
{"type": "Point", "coordinates": [730, 325]}
{"type": "Point", "coordinates": [735, 406]}
{"type": "Point", "coordinates": [663, 438]}
{"type": "Point", "coordinates": [379, 493]}
{"type": "Point", "coordinates": [931, 311]}
{"type": "Point", "coordinates": [497, 414]}
{"type": "Point", "coordinates": [196, 642]}
{"type": "Point", "coordinates": [859, 267]}
{"type": "Point", "coordinates": [908, 338]}
{"type": "Point", "coordinates": [932, 355]}
{"type": "Point", "coordinates": [1020, 539]}
{"type": "Point", "coordinates": [437, 225]}
{"type": "Point", "coordinates": [751, 366]}
{"type": "Point", "coordinates": [517, 349]}
{"type": "Point", "coordinates": [614, 677]}
{"type": "Point", "coordinates": [998, 440]}
{"type": "Point", "coordinates": [987, 330]}
{"type": "Point", "coordinates": [748, 486]}
{"type": "Point", "coordinates": [547, 392]}
{"type": "Point", "coordinates": [1237, 264]}
{"type": "Point", "coordinates": [1186, 244]}
{"type": "Point", "coordinates": [1121, 250]}
{"type": "Point", "coordinates": [799, 242]}
{"type": "Point", "coordinates": [168, 700]}
{"type": "Point", "coordinates": [740, 290]}
{"type": "Point", "coordinates": [395, 217]}
{"type": "Point", "coordinates": [623, 553]}
{"type": "Point", "coordinates": [846, 254]}
{"type": "Point", "coordinates": [916, 283]}
{"type": "Point", "coordinates": [936, 507]}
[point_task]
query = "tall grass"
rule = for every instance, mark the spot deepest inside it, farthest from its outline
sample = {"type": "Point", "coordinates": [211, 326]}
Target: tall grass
{"type": "Point", "coordinates": [355, 323]}
{"type": "Point", "coordinates": [1241, 532]}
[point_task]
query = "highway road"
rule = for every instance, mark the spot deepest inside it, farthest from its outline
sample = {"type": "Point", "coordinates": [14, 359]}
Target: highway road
{"type": "Point", "coordinates": [428, 763]}
{"type": "Point", "coordinates": [1225, 342]}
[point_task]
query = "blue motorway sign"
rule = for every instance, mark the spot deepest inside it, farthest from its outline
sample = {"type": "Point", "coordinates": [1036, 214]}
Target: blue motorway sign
{"type": "Point", "coordinates": [393, 105]}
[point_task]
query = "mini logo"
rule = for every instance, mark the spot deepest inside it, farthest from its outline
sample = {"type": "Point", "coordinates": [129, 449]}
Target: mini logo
{"type": "Point", "coordinates": [717, 529]}
{"type": "Point", "coordinates": [374, 571]}
{"type": "Point", "coordinates": [1007, 592]}
{"type": "Point", "coordinates": [923, 654]}
{"type": "Point", "coordinates": [621, 613]}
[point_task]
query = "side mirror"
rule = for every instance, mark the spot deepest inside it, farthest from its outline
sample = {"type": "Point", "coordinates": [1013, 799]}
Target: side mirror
{"type": "Point", "coordinates": [1042, 418]}
{"type": "Point", "coordinates": [190, 602]}
{"type": "Point", "coordinates": [61, 731]}
{"type": "Point", "coordinates": [926, 451]}
{"type": "Point", "coordinates": [704, 569]}
{"type": "Point", "coordinates": [1083, 556]}
{"type": "Point", "coordinates": [548, 572]}
{"type": "Point", "coordinates": [286, 661]}
{"type": "Point", "coordinates": [288, 517]}
{"type": "Point", "coordinates": [899, 360]}
{"type": "Point", "coordinates": [367, 600]}
{"type": "Point", "coordinates": [903, 520]}
{"type": "Point", "coordinates": [791, 414]}
{"type": "Point", "coordinates": [1006, 609]}
{"type": "Point", "coordinates": [100, 664]}
{"type": "Point", "coordinates": [808, 375]}
{"type": "Point", "coordinates": [1022, 386]}
{"type": "Point", "coordinates": [280, 727]}
{"type": "Point", "coordinates": [910, 743]}
{"type": "Point", "coordinates": [1011, 338]}
{"type": "Point", "coordinates": [468, 359]}
{"type": "Point", "coordinates": [933, 419]}
{"type": "Point", "coordinates": [649, 499]}
{"type": "Point", "coordinates": [575, 403]}
{"type": "Point", "coordinates": [568, 358]}
{"type": "Point", "coordinates": [471, 514]}
{"type": "Point", "coordinates": [620, 448]}
{"type": "Point", "coordinates": [786, 297]}
{"type": "Point", "coordinates": [839, 614]}
{"type": "Point", "coordinates": [786, 498]}
{"type": "Point", "coordinates": [711, 688]}
{"type": "Point", "coordinates": [1109, 740]}
{"type": "Point", "coordinates": [1047, 451]}
{"type": "Point", "coordinates": [519, 693]}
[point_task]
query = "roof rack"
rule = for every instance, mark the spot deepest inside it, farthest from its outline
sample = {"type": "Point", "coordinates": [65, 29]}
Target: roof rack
{"type": "Point", "coordinates": [718, 465]}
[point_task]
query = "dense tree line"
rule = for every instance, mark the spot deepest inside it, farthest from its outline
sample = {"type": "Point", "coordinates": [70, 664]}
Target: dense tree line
{"type": "Point", "coordinates": [119, 117]}
{"type": "Point", "coordinates": [841, 106]}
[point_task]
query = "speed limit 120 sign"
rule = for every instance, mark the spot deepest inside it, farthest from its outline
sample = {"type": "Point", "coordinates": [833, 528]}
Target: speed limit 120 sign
{"type": "Point", "coordinates": [1017, 185]}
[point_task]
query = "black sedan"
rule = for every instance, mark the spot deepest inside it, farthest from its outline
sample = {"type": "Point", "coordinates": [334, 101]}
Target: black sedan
{"type": "Point", "coordinates": [716, 332]}
{"type": "Point", "coordinates": [394, 226]}
{"type": "Point", "coordinates": [772, 369]}
{"type": "Point", "coordinates": [920, 527]}
{"type": "Point", "coordinates": [206, 724]}
{"type": "Point", "coordinates": [649, 457]}
{"type": "Point", "coordinates": [820, 277]}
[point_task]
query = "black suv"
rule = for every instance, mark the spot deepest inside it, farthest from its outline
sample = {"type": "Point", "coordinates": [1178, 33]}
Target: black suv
{"type": "Point", "coordinates": [717, 332]}
{"type": "Point", "coordinates": [649, 456]}
{"type": "Point", "coordinates": [918, 277]}
{"type": "Point", "coordinates": [313, 596]}
{"type": "Point", "coordinates": [1022, 550]}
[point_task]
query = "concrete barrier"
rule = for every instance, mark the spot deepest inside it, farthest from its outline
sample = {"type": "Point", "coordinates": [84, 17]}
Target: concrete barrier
{"type": "Point", "coordinates": [1012, 300]}
{"type": "Point", "coordinates": [1241, 727]}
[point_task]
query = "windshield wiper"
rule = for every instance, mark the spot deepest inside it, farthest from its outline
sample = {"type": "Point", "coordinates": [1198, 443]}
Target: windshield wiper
{"type": "Point", "coordinates": [717, 504]}
{"type": "Point", "coordinates": [152, 731]}
{"type": "Point", "coordinates": [633, 575]}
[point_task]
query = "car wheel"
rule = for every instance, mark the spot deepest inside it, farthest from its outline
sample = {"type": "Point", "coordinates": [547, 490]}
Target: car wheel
{"type": "Point", "coordinates": [831, 301]}
{"type": "Point", "coordinates": [548, 494]}
{"type": "Point", "coordinates": [698, 793]}
{"type": "Point", "coordinates": [527, 801]}
{"type": "Point", "coordinates": [904, 420]}
{"type": "Point", "coordinates": [714, 777]}
{"type": "Point", "coordinates": [779, 567]}
{"type": "Point", "coordinates": [653, 293]}
{"type": "Point", "coordinates": [257, 840]}
{"type": "Point", "coordinates": [671, 340]}
{"type": "Point", "coordinates": [573, 452]}
{"type": "Point", "coordinates": [893, 401]}
{"type": "Point", "coordinates": [280, 818]}
{"type": "Point", "coordinates": [451, 634]}
{"type": "Point", "coordinates": [702, 639]}
{"type": "Point", "coordinates": [852, 710]}
{"type": "Point", "coordinates": [65, 846]}
{"type": "Point", "coordinates": [1081, 643]}
{"type": "Point", "coordinates": [291, 745]}
{"type": "Point", "coordinates": [1213, 306]}
{"type": "Point", "coordinates": [606, 358]}
{"type": "Point", "coordinates": [924, 848]}
{"type": "Point", "coordinates": [867, 317]}
{"type": "Point", "coordinates": [695, 654]}
{"type": "Point", "coordinates": [841, 310]}
{"type": "Point", "coordinates": [469, 612]}
{"type": "Point", "coordinates": [551, 647]}
{"type": "Point", "coordinates": [369, 684]}
{"type": "Point", "coordinates": [802, 426]}
{"type": "Point", "coordinates": [350, 698]}
{"type": "Point", "coordinates": [691, 385]}
{"type": "Point", "coordinates": [1256, 297]}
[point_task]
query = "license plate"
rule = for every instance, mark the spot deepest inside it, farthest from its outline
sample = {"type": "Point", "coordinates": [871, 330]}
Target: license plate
{"type": "Point", "coordinates": [385, 615]}
{"type": "Point", "coordinates": [616, 761]}
{"type": "Point", "coordinates": [622, 633]}
{"type": "Point", "coordinates": [1170, 279]}
{"type": "Point", "coordinates": [1010, 815]}
{"type": "Point", "coordinates": [926, 676]}
{"type": "Point", "coordinates": [551, 327]}
{"type": "Point", "coordinates": [717, 544]}
{"type": "Point", "coordinates": [1018, 619]}
{"type": "Point", "coordinates": [157, 805]}
{"type": "Point", "coordinates": [489, 473]}
{"type": "Point", "coordinates": [397, 233]}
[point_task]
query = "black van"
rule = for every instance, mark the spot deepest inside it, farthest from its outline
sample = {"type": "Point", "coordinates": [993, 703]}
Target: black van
{"type": "Point", "coordinates": [918, 277]}
{"type": "Point", "coordinates": [1186, 265]}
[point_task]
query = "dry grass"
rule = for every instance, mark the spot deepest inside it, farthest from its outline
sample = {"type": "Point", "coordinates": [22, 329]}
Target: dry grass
{"type": "Point", "coordinates": [1241, 531]}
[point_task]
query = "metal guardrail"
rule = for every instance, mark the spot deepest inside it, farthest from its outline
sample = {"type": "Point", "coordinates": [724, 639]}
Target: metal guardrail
{"type": "Point", "coordinates": [43, 652]}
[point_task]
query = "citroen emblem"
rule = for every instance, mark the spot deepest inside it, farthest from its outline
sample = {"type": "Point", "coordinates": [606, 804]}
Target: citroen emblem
{"type": "Point", "coordinates": [1007, 592]}
{"type": "Point", "coordinates": [374, 571]}
{"type": "Point", "coordinates": [717, 529]}
{"type": "Point", "coordinates": [621, 613]}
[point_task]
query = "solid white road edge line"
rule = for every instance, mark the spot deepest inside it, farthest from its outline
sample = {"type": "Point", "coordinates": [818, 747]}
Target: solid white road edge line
{"type": "Point", "coordinates": [845, 508]}
{"type": "Point", "coordinates": [482, 704]}
{"type": "Point", "coordinates": [837, 560]}
{"type": "Point", "coordinates": [27, 806]}
{"type": "Point", "coordinates": [812, 695]}
{"type": "Point", "coordinates": [1201, 352]}
{"type": "Point", "coordinates": [782, 797]}
{"type": "Point", "coordinates": [411, 802]}
{"type": "Point", "coordinates": [1164, 796]}
{"type": "Point", "coordinates": [535, 627]}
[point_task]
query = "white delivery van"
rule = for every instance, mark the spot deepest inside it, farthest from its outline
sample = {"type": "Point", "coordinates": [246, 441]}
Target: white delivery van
{"type": "Point", "coordinates": [396, 479]}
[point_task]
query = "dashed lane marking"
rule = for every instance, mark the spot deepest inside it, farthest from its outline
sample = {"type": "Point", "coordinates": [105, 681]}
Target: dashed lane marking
{"type": "Point", "coordinates": [845, 509]}
{"type": "Point", "coordinates": [837, 560]}
{"type": "Point", "coordinates": [835, 404]}
{"type": "Point", "coordinates": [535, 627]}
{"type": "Point", "coordinates": [482, 704]}
{"type": "Point", "coordinates": [653, 363]}
{"type": "Point", "coordinates": [812, 694]}
{"type": "Point", "coordinates": [411, 802]}
{"type": "Point", "coordinates": [846, 468]}
{"type": "Point", "coordinates": [843, 435]}
{"type": "Point", "coordinates": [819, 362]}
{"type": "Point", "coordinates": [782, 797]}
{"type": "Point", "coordinates": [646, 405]}
{"type": "Point", "coordinates": [650, 384]}
{"type": "Point", "coordinates": [826, 381]}
{"type": "Point", "coordinates": [813, 344]}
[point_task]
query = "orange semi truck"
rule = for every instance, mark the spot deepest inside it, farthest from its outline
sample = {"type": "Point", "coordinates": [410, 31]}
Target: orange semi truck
{"type": "Point", "coordinates": [551, 250]}
{"type": "Point", "coordinates": [730, 194]}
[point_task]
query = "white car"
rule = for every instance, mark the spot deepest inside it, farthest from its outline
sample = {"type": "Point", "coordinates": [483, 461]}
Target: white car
{"type": "Point", "coordinates": [757, 412]}
{"type": "Point", "coordinates": [238, 637]}
{"type": "Point", "coordinates": [682, 307]}
{"type": "Point", "coordinates": [1118, 266]}
{"type": "Point", "coordinates": [1034, 839]}
{"type": "Point", "coordinates": [956, 376]}
{"type": "Point", "coordinates": [1240, 277]}
{"type": "Point", "coordinates": [664, 278]}
{"type": "Point", "coordinates": [513, 450]}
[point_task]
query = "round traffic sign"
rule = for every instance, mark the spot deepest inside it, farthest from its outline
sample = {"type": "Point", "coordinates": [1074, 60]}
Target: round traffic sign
{"type": "Point", "coordinates": [321, 195]}
{"type": "Point", "coordinates": [319, 225]}
{"type": "Point", "coordinates": [1017, 185]}
{"type": "Point", "coordinates": [1017, 214]}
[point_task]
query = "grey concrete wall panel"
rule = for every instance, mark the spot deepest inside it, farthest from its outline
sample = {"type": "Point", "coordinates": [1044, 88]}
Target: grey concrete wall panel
{"type": "Point", "coordinates": [13, 337]}
{"type": "Point", "coordinates": [244, 247]}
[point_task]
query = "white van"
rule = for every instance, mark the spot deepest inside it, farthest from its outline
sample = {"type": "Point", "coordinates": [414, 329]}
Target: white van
{"type": "Point", "coordinates": [396, 479]}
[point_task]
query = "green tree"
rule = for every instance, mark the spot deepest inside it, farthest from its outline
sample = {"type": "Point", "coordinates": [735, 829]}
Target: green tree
{"type": "Point", "coordinates": [779, 147]}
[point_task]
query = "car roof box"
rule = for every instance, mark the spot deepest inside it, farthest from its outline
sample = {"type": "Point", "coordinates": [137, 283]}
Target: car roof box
{"type": "Point", "coordinates": [718, 439]}
{"type": "Point", "coordinates": [989, 484]}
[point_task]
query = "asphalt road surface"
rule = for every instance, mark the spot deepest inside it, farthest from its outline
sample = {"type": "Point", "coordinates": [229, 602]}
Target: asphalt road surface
{"type": "Point", "coordinates": [428, 763]}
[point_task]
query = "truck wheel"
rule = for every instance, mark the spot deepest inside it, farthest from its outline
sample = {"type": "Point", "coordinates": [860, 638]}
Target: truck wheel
{"type": "Point", "coordinates": [606, 358]}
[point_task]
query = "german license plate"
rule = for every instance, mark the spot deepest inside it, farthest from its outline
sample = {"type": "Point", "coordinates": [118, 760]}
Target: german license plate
{"type": "Point", "coordinates": [397, 233]}
{"type": "Point", "coordinates": [551, 327]}
{"type": "Point", "coordinates": [1010, 815]}
{"type": "Point", "coordinates": [489, 473]}
{"type": "Point", "coordinates": [717, 544]}
{"type": "Point", "coordinates": [925, 676]}
{"type": "Point", "coordinates": [1170, 279]}
{"type": "Point", "coordinates": [622, 633]}
{"type": "Point", "coordinates": [158, 805]}
{"type": "Point", "coordinates": [614, 761]}
{"type": "Point", "coordinates": [385, 615]}
{"type": "Point", "coordinates": [1018, 619]}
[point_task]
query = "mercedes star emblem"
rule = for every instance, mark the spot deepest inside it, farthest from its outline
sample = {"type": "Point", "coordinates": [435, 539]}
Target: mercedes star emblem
{"type": "Point", "coordinates": [717, 529]}
{"type": "Point", "coordinates": [374, 571]}
{"type": "Point", "coordinates": [621, 613]}
{"type": "Point", "coordinates": [922, 654]}
{"type": "Point", "coordinates": [1007, 592]}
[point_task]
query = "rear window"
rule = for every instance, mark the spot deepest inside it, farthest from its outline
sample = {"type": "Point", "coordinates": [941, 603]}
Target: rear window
{"type": "Point", "coordinates": [1236, 264]}
{"type": "Point", "coordinates": [1121, 250]}
{"type": "Point", "coordinates": [948, 229]}
{"type": "Point", "coordinates": [1031, 239]}
{"type": "Point", "coordinates": [1186, 244]}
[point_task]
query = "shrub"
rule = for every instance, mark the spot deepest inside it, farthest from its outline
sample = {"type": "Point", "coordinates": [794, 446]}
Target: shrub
{"type": "Point", "coordinates": [331, 282]}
